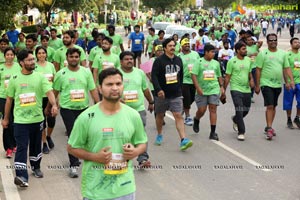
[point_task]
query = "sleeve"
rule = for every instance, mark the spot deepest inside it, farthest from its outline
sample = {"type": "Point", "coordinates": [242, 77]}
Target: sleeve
{"type": "Point", "coordinates": [118, 63]}
{"type": "Point", "coordinates": [154, 75]}
{"type": "Point", "coordinates": [121, 40]}
{"type": "Point", "coordinates": [92, 55]}
{"type": "Point", "coordinates": [79, 134]}
{"type": "Point", "coordinates": [10, 92]}
{"type": "Point", "coordinates": [46, 85]}
{"type": "Point", "coordinates": [57, 82]}
{"type": "Point", "coordinates": [229, 67]}
{"type": "Point", "coordinates": [220, 53]}
{"type": "Point", "coordinates": [259, 60]}
{"type": "Point", "coordinates": [56, 57]}
{"type": "Point", "coordinates": [96, 62]}
{"type": "Point", "coordinates": [286, 61]}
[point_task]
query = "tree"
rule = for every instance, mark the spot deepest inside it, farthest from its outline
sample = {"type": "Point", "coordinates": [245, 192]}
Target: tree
{"type": "Point", "coordinates": [160, 5]}
{"type": "Point", "coordinates": [217, 3]}
{"type": "Point", "coordinates": [8, 10]}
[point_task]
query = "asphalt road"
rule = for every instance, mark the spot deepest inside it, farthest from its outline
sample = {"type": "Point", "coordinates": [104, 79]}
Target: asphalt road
{"type": "Point", "coordinates": [225, 170]}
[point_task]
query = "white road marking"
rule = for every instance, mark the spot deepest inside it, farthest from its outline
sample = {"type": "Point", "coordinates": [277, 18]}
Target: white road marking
{"type": "Point", "coordinates": [234, 152]}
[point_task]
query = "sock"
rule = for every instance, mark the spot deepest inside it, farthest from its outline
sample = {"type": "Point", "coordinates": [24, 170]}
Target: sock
{"type": "Point", "coordinates": [289, 119]}
{"type": "Point", "coordinates": [212, 128]}
{"type": "Point", "coordinates": [45, 144]}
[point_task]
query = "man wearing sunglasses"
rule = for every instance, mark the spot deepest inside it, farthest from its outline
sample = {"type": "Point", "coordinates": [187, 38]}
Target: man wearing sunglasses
{"type": "Point", "coordinates": [271, 63]}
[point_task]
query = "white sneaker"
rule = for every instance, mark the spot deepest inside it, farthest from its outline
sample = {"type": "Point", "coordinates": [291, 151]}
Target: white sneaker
{"type": "Point", "coordinates": [188, 121]}
{"type": "Point", "coordinates": [73, 172]}
{"type": "Point", "coordinates": [241, 137]}
{"type": "Point", "coordinates": [234, 125]}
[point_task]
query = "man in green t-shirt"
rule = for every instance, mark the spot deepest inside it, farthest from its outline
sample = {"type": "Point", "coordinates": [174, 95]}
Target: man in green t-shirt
{"type": "Point", "coordinates": [74, 83]}
{"type": "Point", "coordinates": [288, 95]}
{"type": "Point", "coordinates": [149, 42]}
{"type": "Point", "coordinates": [238, 73]}
{"type": "Point", "coordinates": [50, 50]}
{"type": "Point", "coordinates": [135, 89]}
{"type": "Point", "coordinates": [96, 50]}
{"type": "Point", "coordinates": [271, 64]}
{"type": "Point", "coordinates": [55, 42]}
{"type": "Point", "coordinates": [3, 45]}
{"type": "Point", "coordinates": [117, 45]}
{"type": "Point", "coordinates": [27, 89]}
{"type": "Point", "coordinates": [208, 81]}
{"type": "Point", "coordinates": [107, 136]}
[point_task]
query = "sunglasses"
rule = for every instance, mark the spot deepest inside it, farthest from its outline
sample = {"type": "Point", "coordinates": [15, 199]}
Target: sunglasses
{"type": "Point", "coordinates": [272, 40]}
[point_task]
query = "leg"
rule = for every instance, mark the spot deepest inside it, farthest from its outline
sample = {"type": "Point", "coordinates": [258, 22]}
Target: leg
{"type": "Point", "coordinates": [179, 124]}
{"type": "Point", "coordinates": [237, 98]}
{"type": "Point", "coordinates": [35, 137]}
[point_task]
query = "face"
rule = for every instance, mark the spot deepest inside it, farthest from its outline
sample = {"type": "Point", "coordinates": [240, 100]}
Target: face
{"type": "Point", "coordinates": [53, 34]}
{"type": "Point", "coordinates": [186, 47]}
{"type": "Point", "coordinates": [158, 53]}
{"type": "Point", "coordinates": [127, 62]}
{"type": "Point", "coordinates": [3, 46]}
{"type": "Point", "coordinates": [242, 51]}
{"type": "Point", "coordinates": [111, 31]}
{"type": "Point", "coordinates": [99, 41]}
{"type": "Point", "coordinates": [9, 56]}
{"type": "Point", "coordinates": [105, 45]}
{"type": "Point", "coordinates": [295, 44]}
{"type": "Point", "coordinates": [21, 37]}
{"type": "Point", "coordinates": [41, 55]}
{"type": "Point", "coordinates": [67, 40]}
{"type": "Point", "coordinates": [210, 54]}
{"type": "Point", "coordinates": [272, 41]}
{"type": "Point", "coordinates": [136, 29]}
{"type": "Point", "coordinates": [45, 43]}
{"type": "Point", "coordinates": [30, 44]}
{"type": "Point", "coordinates": [249, 41]}
{"type": "Point", "coordinates": [28, 63]}
{"type": "Point", "coordinates": [112, 88]}
{"type": "Point", "coordinates": [161, 35]}
{"type": "Point", "coordinates": [175, 37]}
{"type": "Point", "coordinates": [73, 59]}
{"type": "Point", "coordinates": [170, 48]}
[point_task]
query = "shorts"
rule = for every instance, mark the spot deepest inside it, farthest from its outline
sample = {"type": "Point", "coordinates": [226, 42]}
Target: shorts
{"type": "Point", "coordinates": [137, 54]}
{"type": "Point", "coordinates": [143, 115]}
{"type": "Point", "coordinates": [188, 93]}
{"type": "Point", "coordinates": [204, 100]}
{"type": "Point", "coordinates": [288, 97]}
{"type": "Point", "coordinates": [270, 95]}
{"type": "Point", "coordinates": [48, 120]}
{"type": "Point", "coordinates": [172, 104]}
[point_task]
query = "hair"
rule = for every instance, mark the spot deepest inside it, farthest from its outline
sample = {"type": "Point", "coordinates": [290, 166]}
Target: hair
{"type": "Point", "coordinates": [70, 51]}
{"type": "Point", "coordinates": [32, 37]}
{"type": "Point", "coordinates": [44, 37]}
{"type": "Point", "coordinates": [37, 50]}
{"type": "Point", "coordinates": [126, 53]}
{"type": "Point", "coordinates": [53, 29]}
{"type": "Point", "coordinates": [167, 41]}
{"type": "Point", "coordinates": [111, 27]}
{"type": "Point", "coordinates": [239, 45]}
{"type": "Point", "coordinates": [160, 32]}
{"type": "Point", "coordinates": [4, 40]}
{"type": "Point", "coordinates": [9, 49]}
{"type": "Point", "coordinates": [108, 39]}
{"type": "Point", "coordinates": [102, 35]}
{"type": "Point", "coordinates": [137, 26]}
{"type": "Point", "coordinates": [95, 34]}
{"type": "Point", "coordinates": [208, 47]}
{"type": "Point", "coordinates": [70, 33]}
{"type": "Point", "coordinates": [151, 29]}
{"type": "Point", "coordinates": [292, 40]}
{"type": "Point", "coordinates": [108, 72]}
{"type": "Point", "coordinates": [271, 34]}
{"type": "Point", "coordinates": [23, 54]}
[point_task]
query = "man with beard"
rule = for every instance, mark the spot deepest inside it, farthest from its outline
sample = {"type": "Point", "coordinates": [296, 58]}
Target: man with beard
{"type": "Point", "coordinates": [107, 136]}
{"type": "Point", "coordinates": [105, 59]}
{"type": "Point", "coordinates": [96, 50]}
{"type": "Point", "coordinates": [73, 83]}
{"type": "Point", "coordinates": [26, 89]}
{"type": "Point", "coordinates": [117, 40]}
{"type": "Point", "coordinates": [271, 64]}
{"type": "Point", "coordinates": [136, 40]}
{"type": "Point", "coordinates": [238, 73]}
{"type": "Point", "coordinates": [60, 55]}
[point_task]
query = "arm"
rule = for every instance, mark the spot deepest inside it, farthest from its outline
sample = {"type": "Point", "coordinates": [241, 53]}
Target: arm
{"type": "Point", "coordinates": [122, 47]}
{"type": "Point", "coordinates": [220, 79]}
{"type": "Point", "coordinates": [257, 85]}
{"type": "Point", "coordinates": [287, 72]}
{"type": "Point", "coordinates": [95, 75]}
{"type": "Point", "coordinates": [131, 152]}
{"type": "Point", "coordinates": [226, 81]}
{"type": "Point", "coordinates": [52, 101]}
{"type": "Point", "coordinates": [251, 80]}
{"type": "Point", "coordinates": [7, 110]}
{"type": "Point", "coordinates": [56, 65]}
{"type": "Point", "coordinates": [95, 96]}
{"type": "Point", "coordinates": [83, 63]}
{"type": "Point", "coordinates": [150, 100]}
{"type": "Point", "coordinates": [196, 84]}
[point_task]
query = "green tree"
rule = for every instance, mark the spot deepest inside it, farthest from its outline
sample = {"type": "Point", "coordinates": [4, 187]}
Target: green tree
{"type": "Point", "coordinates": [161, 5]}
{"type": "Point", "coordinates": [221, 4]}
{"type": "Point", "coordinates": [8, 10]}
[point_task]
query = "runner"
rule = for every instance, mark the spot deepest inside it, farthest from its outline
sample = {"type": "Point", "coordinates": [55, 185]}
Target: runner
{"type": "Point", "coordinates": [117, 45]}
{"type": "Point", "coordinates": [136, 40]}
{"type": "Point", "coordinates": [149, 42]}
{"type": "Point", "coordinates": [54, 41]}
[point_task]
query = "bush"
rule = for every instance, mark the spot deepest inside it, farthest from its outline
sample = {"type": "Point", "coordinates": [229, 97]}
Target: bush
{"type": "Point", "coordinates": [31, 29]}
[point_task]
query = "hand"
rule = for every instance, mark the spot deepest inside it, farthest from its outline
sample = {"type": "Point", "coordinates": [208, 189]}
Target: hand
{"type": "Point", "coordinates": [130, 152]}
{"type": "Point", "coordinates": [150, 108]}
{"type": "Point", "coordinates": [257, 89]}
{"type": "Point", "coordinates": [288, 86]}
{"type": "Point", "coordinates": [5, 123]}
{"type": "Point", "coordinates": [104, 155]}
{"type": "Point", "coordinates": [199, 91]}
{"type": "Point", "coordinates": [252, 84]}
{"type": "Point", "coordinates": [54, 111]}
{"type": "Point", "coordinates": [292, 85]}
{"type": "Point", "coordinates": [222, 90]}
{"type": "Point", "coordinates": [161, 94]}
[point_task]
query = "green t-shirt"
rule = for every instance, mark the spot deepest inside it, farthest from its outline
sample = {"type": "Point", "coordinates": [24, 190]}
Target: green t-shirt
{"type": "Point", "coordinates": [5, 74]}
{"type": "Point", "coordinates": [103, 61]}
{"type": "Point", "coordinates": [55, 44]}
{"type": "Point", "coordinates": [20, 45]}
{"type": "Point", "coordinates": [149, 41]}
{"type": "Point", "coordinates": [294, 63]}
{"type": "Point", "coordinates": [81, 32]}
{"type": "Point", "coordinates": [256, 30]}
{"type": "Point", "coordinates": [60, 56]}
{"type": "Point", "coordinates": [126, 22]}
{"type": "Point", "coordinates": [94, 52]}
{"type": "Point", "coordinates": [251, 50]}
{"type": "Point", "coordinates": [94, 130]}
{"type": "Point", "coordinates": [134, 86]}
{"type": "Point", "coordinates": [117, 41]}
{"type": "Point", "coordinates": [189, 61]}
{"type": "Point", "coordinates": [50, 54]}
{"type": "Point", "coordinates": [73, 87]}
{"type": "Point", "coordinates": [272, 64]}
{"type": "Point", "coordinates": [177, 48]}
{"type": "Point", "coordinates": [207, 73]}
{"type": "Point", "coordinates": [239, 71]}
{"type": "Point", "coordinates": [47, 71]}
{"type": "Point", "coordinates": [27, 92]}
{"type": "Point", "coordinates": [2, 58]}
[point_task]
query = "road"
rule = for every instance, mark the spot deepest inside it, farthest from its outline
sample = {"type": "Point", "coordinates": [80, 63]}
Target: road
{"type": "Point", "coordinates": [224, 170]}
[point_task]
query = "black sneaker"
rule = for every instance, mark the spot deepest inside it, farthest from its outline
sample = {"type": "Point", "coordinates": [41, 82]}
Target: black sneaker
{"type": "Point", "coordinates": [214, 136]}
{"type": "Point", "coordinates": [50, 142]}
{"type": "Point", "coordinates": [20, 181]}
{"type": "Point", "coordinates": [144, 164]}
{"type": "Point", "coordinates": [196, 125]}
{"type": "Point", "coordinates": [290, 124]}
{"type": "Point", "coordinates": [297, 122]}
{"type": "Point", "coordinates": [45, 149]}
{"type": "Point", "coordinates": [38, 173]}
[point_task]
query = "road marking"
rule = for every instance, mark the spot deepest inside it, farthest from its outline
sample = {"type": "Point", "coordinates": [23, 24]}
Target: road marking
{"type": "Point", "coordinates": [234, 152]}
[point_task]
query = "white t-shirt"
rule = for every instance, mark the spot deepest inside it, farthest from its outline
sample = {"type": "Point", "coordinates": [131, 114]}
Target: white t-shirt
{"type": "Point", "coordinates": [226, 54]}
{"type": "Point", "coordinates": [264, 24]}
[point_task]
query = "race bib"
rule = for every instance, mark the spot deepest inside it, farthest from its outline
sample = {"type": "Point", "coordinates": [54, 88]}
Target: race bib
{"type": "Point", "coordinates": [130, 96]}
{"type": "Point", "coordinates": [171, 78]}
{"type": "Point", "coordinates": [117, 165]}
{"type": "Point", "coordinates": [106, 65]}
{"type": "Point", "coordinates": [190, 67]}
{"type": "Point", "coordinates": [49, 77]}
{"type": "Point", "coordinates": [208, 75]}
{"type": "Point", "coordinates": [297, 65]}
{"type": "Point", "coordinates": [65, 63]}
{"type": "Point", "coordinates": [27, 99]}
{"type": "Point", "coordinates": [137, 41]}
{"type": "Point", "coordinates": [252, 58]}
{"type": "Point", "coordinates": [6, 81]}
{"type": "Point", "coordinates": [77, 95]}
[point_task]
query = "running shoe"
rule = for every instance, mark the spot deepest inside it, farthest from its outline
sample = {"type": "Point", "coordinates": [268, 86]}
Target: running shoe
{"type": "Point", "coordinates": [214, 136]}
{"type": "Point", "coordinates": [145, 164]}
{"type": "Point", "coordinates": [9, 153]}
{"type": "Point", "coordinates": [188, 121]}
{"type": "Point", "coordinates": [234, 125]}
{"type": "Point", "coordinates": [50, 142]}
{"type": "Point", "coordinates": [159, 139]}
{"type": "Point", "coordinates": [38, 173]}
{"type": "Point", "coordinates": [185, 144]}
{"type": "Point", "coordinates": [269, 134]}
{"type": "Point", "coordinates": [196, 128]}
{"type": "Point", "coordinates": [14, 149]}
{"type": "Point", "coordinates": [45, 149]}
{"type": "Point", "coordinates": [20, 181]}
{"type": "Point", "coordinates": [297, 122]}
{"type": "Point", "coordinates": [266, 129]}
{"type": "Point", "coordinates": [241, 137]}
{"type": "Point", "coordinates": [73, 172]}
{"type": "Point", "coordinates": [290, 124]}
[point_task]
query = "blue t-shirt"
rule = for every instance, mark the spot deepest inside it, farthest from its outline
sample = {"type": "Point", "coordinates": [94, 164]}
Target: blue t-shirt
{"type": "Point", "coordinates": [231, 36]}
{"type": "Point", "coordinates": [13, 36]}
{"type": "Point", "coordinates": [136, 41]}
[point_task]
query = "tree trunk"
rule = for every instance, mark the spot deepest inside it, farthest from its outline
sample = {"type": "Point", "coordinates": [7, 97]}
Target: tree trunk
{"type": "Point", "coordinates": [48, 16]}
